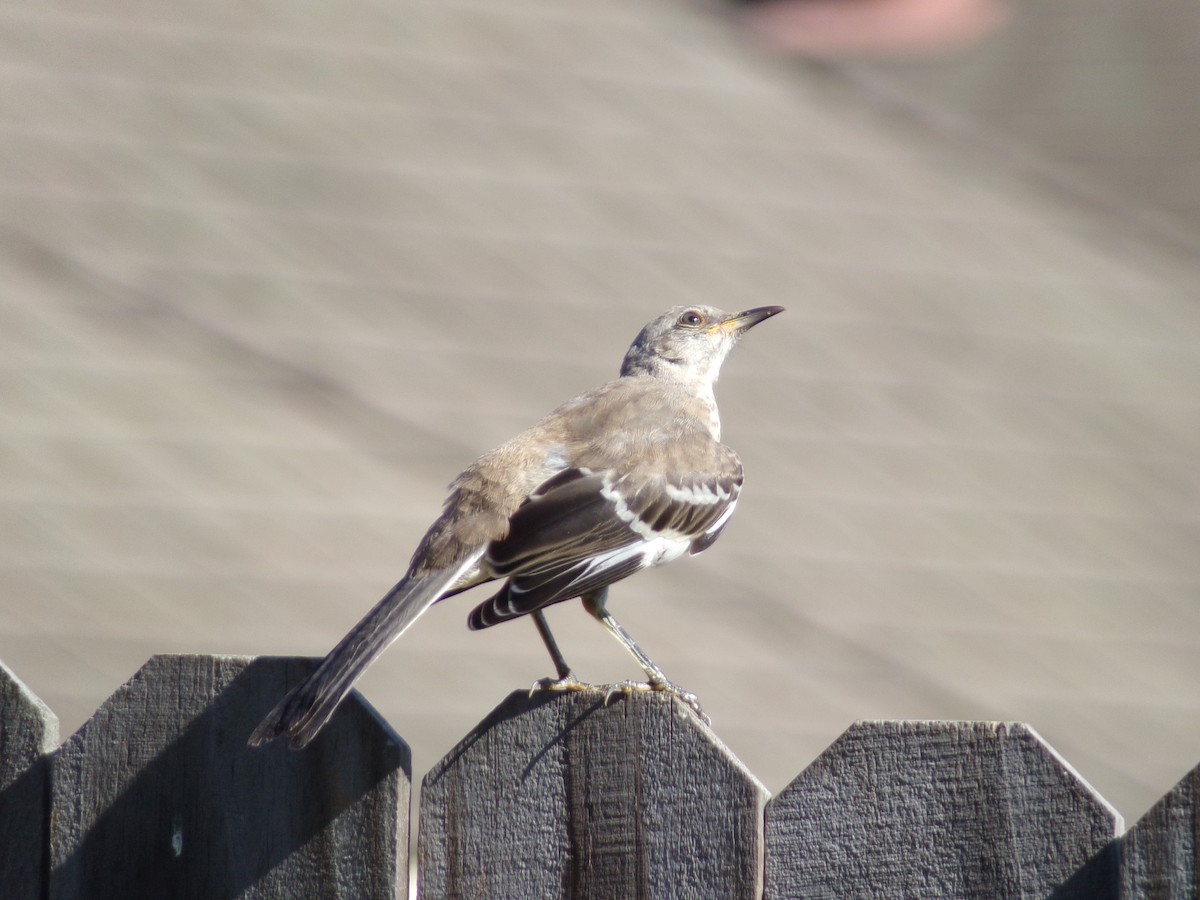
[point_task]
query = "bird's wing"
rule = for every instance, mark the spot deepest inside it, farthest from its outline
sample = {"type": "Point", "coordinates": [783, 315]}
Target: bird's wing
{"type": "Point", "coordinates": [583, 530]}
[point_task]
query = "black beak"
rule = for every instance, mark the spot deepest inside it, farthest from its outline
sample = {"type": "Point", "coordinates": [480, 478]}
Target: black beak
{"type": "Point", "coordinates": [742, 322]}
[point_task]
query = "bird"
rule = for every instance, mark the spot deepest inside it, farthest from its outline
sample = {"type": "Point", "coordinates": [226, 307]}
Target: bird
{"type": "Point", "coordinates": [629, 475]}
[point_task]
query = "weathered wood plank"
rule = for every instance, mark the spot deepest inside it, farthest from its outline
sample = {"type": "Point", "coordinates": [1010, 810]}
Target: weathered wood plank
{"type": "Point", "coordinates": [562, 795]}
{"type": "Point", "coordinates": [1158, 854]}
{"type": "Point", "coordinates": [940, 809]}
{"type": "Point", "coordinates": [157, 795]}
{"type": "Point", "coordinates": [28, 731]}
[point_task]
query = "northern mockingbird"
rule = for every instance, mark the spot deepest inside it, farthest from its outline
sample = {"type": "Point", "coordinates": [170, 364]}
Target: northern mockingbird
{"type": "Point", "coordinates": [630, 475]}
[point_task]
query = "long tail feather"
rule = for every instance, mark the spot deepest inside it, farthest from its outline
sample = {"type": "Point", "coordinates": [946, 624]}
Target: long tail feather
{"type": "Point", "coordinates": [309, 705]}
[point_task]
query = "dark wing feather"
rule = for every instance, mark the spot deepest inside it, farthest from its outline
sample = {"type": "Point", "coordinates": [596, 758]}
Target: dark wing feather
{"type": "Point", "coordinates": [584, 530]}
{"type": "Point", "coordinates": [689, 506]}
{"type": "Point", "coordinates": [521, 596]}
{"type": "Point", "coordinates": [566, 519]}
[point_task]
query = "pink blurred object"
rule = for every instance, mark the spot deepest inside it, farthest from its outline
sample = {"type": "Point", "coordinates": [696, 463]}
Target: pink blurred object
{"type": "Point", "coordinates": [836, 29]}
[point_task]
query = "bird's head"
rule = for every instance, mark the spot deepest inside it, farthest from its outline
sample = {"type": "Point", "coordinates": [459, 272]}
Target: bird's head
{"type": "Point", "coordinates": [689, 343]}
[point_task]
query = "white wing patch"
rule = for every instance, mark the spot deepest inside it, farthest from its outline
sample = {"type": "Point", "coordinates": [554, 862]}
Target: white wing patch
{"type": "Point", "coordinates": [722, 519]}
{"type": "Point", "coordinates": [624, 513]}
{"type": "Point", "coordinates": [705, 495]}
{"type": "Point", "coordinates": [654, 552]}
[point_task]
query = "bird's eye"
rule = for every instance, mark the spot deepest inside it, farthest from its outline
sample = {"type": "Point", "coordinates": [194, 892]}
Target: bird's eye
{"type": "Point", "coordinates": [691, 318]}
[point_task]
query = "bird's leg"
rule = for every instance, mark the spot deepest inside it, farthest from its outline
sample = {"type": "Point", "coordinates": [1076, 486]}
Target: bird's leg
{"type": "Point", "coordinates": [560, 662]}
{"type": "Point", "coordinates": [657, 679]}
{"type": "Point", "coordinates": [566, 680]}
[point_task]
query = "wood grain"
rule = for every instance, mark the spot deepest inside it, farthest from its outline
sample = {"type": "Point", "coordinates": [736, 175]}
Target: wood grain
{"type": "Point", "coordinates": [563, 795]}
{"type": "Point", "coordinates": [157, 795]}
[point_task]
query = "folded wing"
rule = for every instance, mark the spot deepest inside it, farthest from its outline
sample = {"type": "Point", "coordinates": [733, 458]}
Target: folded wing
{"type": "Point", "coordinates": [583, 530]}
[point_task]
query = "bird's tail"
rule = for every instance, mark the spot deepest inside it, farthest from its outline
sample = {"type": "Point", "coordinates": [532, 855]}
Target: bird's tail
{"type": "Point", "coordinates": [309, 705]}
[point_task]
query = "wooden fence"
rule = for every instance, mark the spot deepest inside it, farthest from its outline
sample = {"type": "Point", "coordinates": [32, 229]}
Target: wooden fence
{"type": "Point", "coordinates": [554, 795]}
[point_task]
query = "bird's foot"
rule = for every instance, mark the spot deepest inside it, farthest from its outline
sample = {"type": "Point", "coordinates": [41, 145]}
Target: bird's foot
{"type": "Point", "coordinates": [623, 687]}
{"type": "Point", "coordinates": [567, 682]}
{"type": "Point", "coordinates": [687, 698]}
{"type": "Point", "coordinates": [570, 683]}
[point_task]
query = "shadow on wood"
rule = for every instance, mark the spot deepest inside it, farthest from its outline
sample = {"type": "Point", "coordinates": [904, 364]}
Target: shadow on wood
{"type": "Point", "coordinates": [1096, 879]}
{"type": "Point", "coordinates": [157, 795]}
{"type": "Point", "coordinates": [28, 731]}
{"type": "Point", "coordinates": [563, 795]}
{"type": "Point", "coordinates": [554, 794]}
{"type": "Point", "coordinates": [1159, 853]}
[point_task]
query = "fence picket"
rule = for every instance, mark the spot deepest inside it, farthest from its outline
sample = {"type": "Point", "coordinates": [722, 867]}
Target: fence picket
{"type": "Point", "coordinates": [940, 809]}
{"type": "Point", "coordinates": [563, 795]}
{"type": "Point", "coordinates": [28, 731]}
{"type": "Point", "coordinates": [157, 795]}
{"type": "Point", "coordinates": [554, 795]}
{"type": "Point", "coordinates": [1158, 854]}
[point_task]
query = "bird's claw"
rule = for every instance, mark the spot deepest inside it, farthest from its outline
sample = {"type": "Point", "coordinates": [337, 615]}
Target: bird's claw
{"type": "Point", "coordinates": [623, 687]}
{"type": "Point", "coordinates": [567, 682]}
{"type": "Point", "coordinates": [687, 698]}
{"type": "Point", "coordinates": [570, 683]}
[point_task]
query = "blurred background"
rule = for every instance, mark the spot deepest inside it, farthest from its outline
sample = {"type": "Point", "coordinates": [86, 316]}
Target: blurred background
{"type": "Point", "coordinates": [270, 276]}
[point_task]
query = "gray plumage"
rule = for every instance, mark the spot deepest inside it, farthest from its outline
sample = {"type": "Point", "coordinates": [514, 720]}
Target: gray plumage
{"type": "Point", "coordinates": [630, 475]}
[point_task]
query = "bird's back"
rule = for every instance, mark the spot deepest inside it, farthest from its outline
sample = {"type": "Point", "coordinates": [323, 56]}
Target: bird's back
{"type": "Point", "coordinates": [635, 426]}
